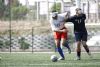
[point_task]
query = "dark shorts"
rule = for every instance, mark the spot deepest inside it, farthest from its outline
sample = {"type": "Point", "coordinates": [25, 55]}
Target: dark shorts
{"type": "Point", "coordinates": [81, 36]}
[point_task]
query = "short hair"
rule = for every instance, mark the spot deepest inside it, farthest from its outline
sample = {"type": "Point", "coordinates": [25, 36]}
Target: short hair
{"type": "Point", "coordinates": [54, 14]}
{"type": "Point", "coordinates": [78, 9]}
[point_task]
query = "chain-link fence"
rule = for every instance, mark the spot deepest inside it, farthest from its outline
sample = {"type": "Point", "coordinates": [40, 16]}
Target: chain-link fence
{"type": "Point", "coordinates": [39, 38]}
{"type": "Point", "coordinates": [25, 27]}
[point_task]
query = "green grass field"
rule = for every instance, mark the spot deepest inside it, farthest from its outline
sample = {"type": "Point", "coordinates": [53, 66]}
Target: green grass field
{"type": "Point", "coordinates": [43, 60]}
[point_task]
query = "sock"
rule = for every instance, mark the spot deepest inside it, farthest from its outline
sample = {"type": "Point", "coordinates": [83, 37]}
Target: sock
{"type": "Point", "coordinates": [60, 52]}
{"type": "Point", "coordinates": [67, 46]}
{"type": "Point", "coordinates": [87, 49]}
{"type": "Point", "coordinates": [78, 54]}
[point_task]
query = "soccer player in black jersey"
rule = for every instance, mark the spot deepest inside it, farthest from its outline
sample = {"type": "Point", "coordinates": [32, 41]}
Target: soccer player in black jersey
{"type": "Point", "coordinates": [80, 31]}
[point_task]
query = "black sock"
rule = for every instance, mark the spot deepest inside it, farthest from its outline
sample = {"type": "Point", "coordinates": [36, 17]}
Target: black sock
{"type": "Point", "coordinates": [67, 46]}
{"type": "Point", "coordinates": [78, 54]}
{"type": "Point", "coordinates": [87, 49]}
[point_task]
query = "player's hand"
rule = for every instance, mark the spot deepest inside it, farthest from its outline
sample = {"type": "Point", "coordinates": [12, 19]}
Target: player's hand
{"type": "Point", "coordinates": [62, 24]}
{"type": "Point", "coordinates": [64, 30]}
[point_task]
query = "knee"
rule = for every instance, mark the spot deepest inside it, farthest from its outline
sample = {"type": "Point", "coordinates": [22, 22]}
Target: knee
{"type": "Point", "coordinates": [57, 42]}
{"type": "Point", "coordinates": [57, 45]}
{"type": "Point", "coordinates": [63, 42]}
{"type": "Point", "coordinates": [84, 44]}
{"type": "Point", "coordinates": [79, 43]}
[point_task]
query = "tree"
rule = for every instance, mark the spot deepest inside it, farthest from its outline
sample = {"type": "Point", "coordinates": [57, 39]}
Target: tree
{"type": "Point", "coordinates": [1, 44]}
{"type": "Point", "coordinates": [1, 8]}
{"type": "Point", "coordinates": [23, 44]}
{"type": "Point", "coordinates": [7, 44]}
{"type": "Point", "coordinates": [14, 3]}
{"type": "Point", "coordinates": [56, 7]}
{"type": "Point", "coordinates": [19, 12]}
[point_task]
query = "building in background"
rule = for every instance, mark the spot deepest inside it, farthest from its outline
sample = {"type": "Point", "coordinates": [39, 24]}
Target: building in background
{"type": "Point", "coordinates": [92, 9]}
{"type": "Point", "coordinates": [42, 10]}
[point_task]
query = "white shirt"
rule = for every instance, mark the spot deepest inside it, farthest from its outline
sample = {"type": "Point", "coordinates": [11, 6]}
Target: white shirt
{"type": "Point", "coordinates": [58, 23]}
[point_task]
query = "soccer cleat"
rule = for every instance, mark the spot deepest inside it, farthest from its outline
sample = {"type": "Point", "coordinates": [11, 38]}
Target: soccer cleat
{"type": "Point", "coordinates": [69, 51]}
{"type": "Point", "coordinates": [78, 58]}
{"type": "Point", "coordinates": [90, 55]}
{"type": "Point", "coordinates": [61, 58]}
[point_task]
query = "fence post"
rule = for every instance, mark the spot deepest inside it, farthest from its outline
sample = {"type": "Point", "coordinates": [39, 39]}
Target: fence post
{"type": "Point", "coordinates": [38, 10]}
{"type": "Point", "coordinates": [32, 39]}
{"type": "Point", "coordinates": [10, 23]}
{"type": "Point", "coordinates": [78, 3]}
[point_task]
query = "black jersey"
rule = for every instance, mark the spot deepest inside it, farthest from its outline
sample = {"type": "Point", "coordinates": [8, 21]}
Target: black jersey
{"type": "Point", "coordinates": [79, 22]}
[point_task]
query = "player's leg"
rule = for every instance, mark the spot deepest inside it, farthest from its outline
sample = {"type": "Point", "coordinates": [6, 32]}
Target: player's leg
{"type": "Point", "coordinates": [84, 40]}
{"type": "Point", "coordinates": [78, 42]}
{"type": "Point", "coordinates": [86, 47]}
{"type": "Point", "coordinates": [64, 42]}
{"type": "Point", "coordinates": [57, 41]}
{"type": "Point", "coordinates": [57, 37]}
{"type": "Point", "coordinates": [78, 50]}
{"type": "Point", "coordinates": [67, 46]}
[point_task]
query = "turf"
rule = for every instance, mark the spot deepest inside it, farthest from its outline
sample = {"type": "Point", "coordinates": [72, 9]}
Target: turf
{"type": "Point", "coordinates": [43, 60]}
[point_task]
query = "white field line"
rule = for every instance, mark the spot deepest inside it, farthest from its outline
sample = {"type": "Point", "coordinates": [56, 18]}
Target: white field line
{"type": "Point", "coordinates": [43, 52]}
{"type": "Point", "coordinates": [92, 63]}
{"type": "Point", "coordinates": [57, 64]}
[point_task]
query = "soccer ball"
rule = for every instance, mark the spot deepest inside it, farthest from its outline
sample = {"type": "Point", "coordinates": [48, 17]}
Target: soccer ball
{"type": "Point", "coordinates": [54, 58]}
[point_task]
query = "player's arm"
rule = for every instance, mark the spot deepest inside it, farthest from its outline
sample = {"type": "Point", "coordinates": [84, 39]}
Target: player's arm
{"type": "Point", "coordinates": [63, 14]}
{"type": "Point", "coordinates": [84, 16]}
{"type": "Point", "coordinates": [63, 30]}
{"type": "Point", "coordinates": [69, 18]}
{"type": "Point", "coordinates": [53, 27]}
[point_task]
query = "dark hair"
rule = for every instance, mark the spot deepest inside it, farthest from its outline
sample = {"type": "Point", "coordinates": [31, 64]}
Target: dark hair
{"type": "Point", "coordinates": [78, 9]}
